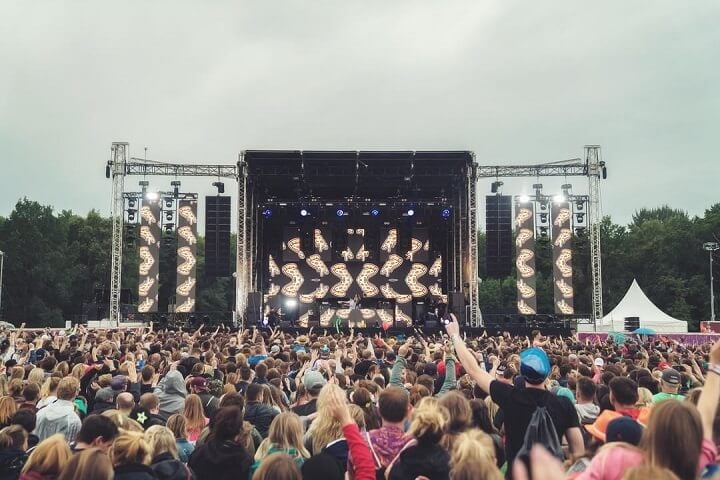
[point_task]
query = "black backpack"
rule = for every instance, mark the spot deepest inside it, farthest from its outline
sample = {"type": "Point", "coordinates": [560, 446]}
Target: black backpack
{"type": "Point", "coordinates": [541, 430]}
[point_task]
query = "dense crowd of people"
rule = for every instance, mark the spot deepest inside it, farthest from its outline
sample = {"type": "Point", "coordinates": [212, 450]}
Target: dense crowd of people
{"type": "Point", "coordinates": [271, 405]}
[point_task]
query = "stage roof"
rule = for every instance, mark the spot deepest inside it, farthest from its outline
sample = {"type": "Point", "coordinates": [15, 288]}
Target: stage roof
{"type": "Point", "coordinates": [375, 175]}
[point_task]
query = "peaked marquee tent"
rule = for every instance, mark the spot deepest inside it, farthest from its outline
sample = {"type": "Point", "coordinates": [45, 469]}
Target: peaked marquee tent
{"type": "Point", "coordinates": [636, 304]}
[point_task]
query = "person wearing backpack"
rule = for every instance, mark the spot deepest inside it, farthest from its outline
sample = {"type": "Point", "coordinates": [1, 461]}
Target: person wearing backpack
{"type": "Point", "coordinates": [530, 411]}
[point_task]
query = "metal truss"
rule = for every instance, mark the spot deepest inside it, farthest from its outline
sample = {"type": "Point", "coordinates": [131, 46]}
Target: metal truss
{"type": "Point", "coordinates": [567, 168]}
{"type": "Point", "coordinates": [138, 166]}
{"type": "Point", "coordinates": [118, 161]}
{"type": "Point", "coordinates": [595, 173]}
{"type": "Point", "coordinates": [118, 167]}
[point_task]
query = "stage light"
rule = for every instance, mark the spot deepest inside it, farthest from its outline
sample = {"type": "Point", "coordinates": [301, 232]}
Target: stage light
{"type": "Point", "coordinates": [303, 213]}
{"type": "Point", "coordinates": [374, 212]}
{"type": "Point", "coordinates": [131, 214]}
{"type": "Point", "coordinates": [152, 196]}
{"type": "Point", "coordinates": [290, 303]}
{"type": "Point", "coordinates": [169, 216]}
{"type": "Point", "coordinates": [340, 212]}
{"type": "Point", "coordinates": [169, 227]}
{"type": "Point", "coordinates": [220, 187]}
{"type": "Point", "coordinates": [544, 232]}
{"type": "Point", "coordinates": [131, 203]}
{"type": "Point", "coordinates": [176, 187]}
{"type": "Point", "coordinates": [566, 187]}
{"type": "Point", "coordinates": [579, 205]}
{"type": "Point", "coordinates": [107, 170]}
{"type": "Point", "coordinates": [543, 218]}
{"type": "Point", "coordinates": [495, 186]}
{"type": "Point", "coordinates": [410, 212]}
{"type": "Point", "coordinates": [559, 198]}
{"type": "Point", "coordinates": [524, 198]}
{"type": "Point", "coordinates": [580, 217]}
{"type": "Point", "coordinates": [445, 212]}
{"type": "Point", "coordinates": [168, 202]}
{"type": "Point", "coordinates": [267, 213]}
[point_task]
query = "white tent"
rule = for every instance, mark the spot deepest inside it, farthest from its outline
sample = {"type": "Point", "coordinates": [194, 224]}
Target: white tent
{"type": "Point", "coordinates": [636, 304]}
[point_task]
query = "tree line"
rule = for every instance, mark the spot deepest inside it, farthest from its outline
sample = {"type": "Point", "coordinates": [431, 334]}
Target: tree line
{"type": "Point", "coordinates": [56, 262]}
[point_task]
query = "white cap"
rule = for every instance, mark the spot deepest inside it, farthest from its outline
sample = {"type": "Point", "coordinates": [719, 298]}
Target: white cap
{"type": "Point", "coordinates": [599, 362]}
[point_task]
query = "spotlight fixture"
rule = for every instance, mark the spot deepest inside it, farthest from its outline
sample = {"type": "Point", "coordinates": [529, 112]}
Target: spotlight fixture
{"type": "Point", "coordinates": [544, 233]}
{"type": "Point", "coordinates": [220, 187]}
{"type": "Point", "coordinates": [267, 213]}
{"type": "Point", "coordinates": [169, 215]}
{"type": "Point", "coordinates": [410, 212]}
{"type": "Point", "coordinates": [446, 213]}
{"type": "Point", "coordinates": [131, 203]}
{"type": "Point", "coordinates": [559, 198]}
{"type": "Point", "coordinates": [176, 187]}
{"type": "Point", "coordinates": [524, 198]}
{"type": "Point", "coordinates": [291, 303]}
{"type": "Point", "coordinates": [143, 185]}
{"type": "Point", "coordinates": [152, 196]}
{"type": "Point", "coordinates": [566, 187]}
{"type": "Point", "coordinates": [543, 217]}
{"type": "Point", "coordinates": [579, 205]}
{"type": "Point", "coordinates": [604, 169]}
{"type": "Point", "coordinates": [131, 214]}
{"type": "Point", "coordinates": [579, 231]}
{"type": "Point", "coordinates": [168, 202]}
{"type": "Point", "coordinates": [340, 212]}
{"type": "Point", "coordinates": [495, 186]}
{"type": "Point", "coordinates": [304, 213]}
{"type": "Point", "coordinates": [580, 217]}
{"type": "Point", "coordinates": [374, 212]}
{"type": "Point", "coordinates": [169, 227]}
{"type": "Point", "coordinates": [107, 170]}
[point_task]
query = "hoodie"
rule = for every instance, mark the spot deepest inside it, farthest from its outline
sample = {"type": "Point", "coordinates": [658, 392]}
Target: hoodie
{"type": "Point", "coordinates": [220, 461]}
{"type": "Point", "coordinates": [261, 416]}
{"type": "Point", "coordinates": [168, 468]}
{"type": "Point", "coordinates": [427, 460]}
{"type": "Point", "coordinates": [172, 392]}
{"type": "Point", "coordinates": [11, 462]}
{"type": "Point", "coordinates": [59, 417]}
{"type": "Point", "coordinates": [134, 471]}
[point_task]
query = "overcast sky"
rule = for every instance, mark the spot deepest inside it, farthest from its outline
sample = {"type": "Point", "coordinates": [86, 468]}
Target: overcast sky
{"type": "Point", "coordinates": [514, 81]}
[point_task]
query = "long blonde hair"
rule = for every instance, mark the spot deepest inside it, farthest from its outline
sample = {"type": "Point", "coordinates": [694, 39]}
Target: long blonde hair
{"type": "Point", "coordinates": [162, 440]}
{"type": "Point", "coordinates": [50, 456]}
{"type": "Point", "coordinates": [193, 413]}
{"type": "Point", "coordinates": [129, 448]}
{"type": "Point", "coordinates": [473, 456]}
{"type": "Point", "coordinates": [8, 407]}
{"type": "Point", "coordinates": [325, 428]}
{"type": "Point", "coordinates": [286, 431]}
{"type": "Point", "coordinates": [90, 463]}
{"type": "Point", "coordinates": [37, 375]}
{"type": "Point", "coordinates": [49, 387]}
{"type": "Point", "coordinates": [428, 421]}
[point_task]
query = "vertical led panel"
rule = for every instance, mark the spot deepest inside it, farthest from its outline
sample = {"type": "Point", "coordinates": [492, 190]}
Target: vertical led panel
{"type": "Point", "coordinates": [186, 256]}
{"type": "Point", "coordinates": [525, 258]}
{"type": "Point", "coordinates": [562, 258]}
{"type": "Point", "coordinates": [149, 253]}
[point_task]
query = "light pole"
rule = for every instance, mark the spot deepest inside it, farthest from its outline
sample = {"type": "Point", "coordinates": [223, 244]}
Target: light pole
{"type": "Point", "coordinates": [2, 263]}
{"type": "Point", "coordinates": [711, 247]}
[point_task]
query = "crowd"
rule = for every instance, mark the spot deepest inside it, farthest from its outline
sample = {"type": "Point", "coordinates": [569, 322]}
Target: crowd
{"type": "Point", "coordinates": [269, 405]}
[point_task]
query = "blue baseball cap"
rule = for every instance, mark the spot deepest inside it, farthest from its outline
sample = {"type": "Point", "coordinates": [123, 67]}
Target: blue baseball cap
{"type": "Point", "coordinates": [534, 365]}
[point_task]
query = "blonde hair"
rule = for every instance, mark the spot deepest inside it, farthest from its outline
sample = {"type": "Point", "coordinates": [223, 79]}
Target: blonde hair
{"type": "Point", "coordinates": [358, 415]}
{"type": "Point", "coordinates": [429, 420]}
{"type": "Point", "coordinates": [49, 457]}
{"type": "Point", "coordinates": [68, 388]}
{"type": "Point", "coordinates": [37, 375]}
{"type": "Point", "coordinates": [647, 471]}
{"type": "Point", "coordinates": [63, 368]}
{"type": "Point", "coordinates": [162, 440]}
{"type": "Point", "coordinates": [129, 448]}
{"type": "Point", "coordinates": [644, 397]}
{"type": "Point", "coordinates": [278, 466]}
{"type": "Point", "coordinates": [123, 423]}
{"type": "Point", "coordinates": [13, 436]}
{"type": "Point", "coordinates": [177, 425]}
{"type": "Point", "coordinates": [286, 431]}
{"type": "Point", "coordinates": [193, 413]}
{"type": "Point", "coordinates": [473, 456]}
{"type": "Point", "coordinates": [78, 371]}
{"type": "Point", "coordinates": [17, 373]}
{"type": "Point", "coordinates": [49, 387]}
{"type": "Point", "coordinates": [8, 407]}
{"type": "Point", "coordinates": [90, 463]}
{"type": "Point", "coordinates": [324, 429]}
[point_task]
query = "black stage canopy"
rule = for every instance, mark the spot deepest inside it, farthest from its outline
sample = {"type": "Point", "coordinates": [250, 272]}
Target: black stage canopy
{"type": "Point", "coordinates": [296, 174]}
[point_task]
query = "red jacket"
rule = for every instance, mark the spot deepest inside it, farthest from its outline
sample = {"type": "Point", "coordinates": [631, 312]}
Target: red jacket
{"type": "Point", "coordinates": [362, 461]}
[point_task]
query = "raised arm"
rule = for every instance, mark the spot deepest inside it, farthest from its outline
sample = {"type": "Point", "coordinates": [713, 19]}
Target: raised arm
{"type": "Point", "coordinates": [466, 357]}
{"type": "Point", "coordinates": [450, 379]}
{"type": "Point", "coordinates": [708, 401]}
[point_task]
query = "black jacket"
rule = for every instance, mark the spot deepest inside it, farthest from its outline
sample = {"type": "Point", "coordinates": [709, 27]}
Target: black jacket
{"type": "Point", "coordinates": [431, 461]}
{"type": "Point", "coordinates": [134, 471]}
{"type": "Point", "coordinates": [210, 403]}
{"type": "Point", "coordinates": [215, 460]}
{"type": "Point", "coordinates": [261, 416]}
{"type": "Point", "coordinates": [168, 468]}
{"type": "Point", "coordinates": [11, 462]}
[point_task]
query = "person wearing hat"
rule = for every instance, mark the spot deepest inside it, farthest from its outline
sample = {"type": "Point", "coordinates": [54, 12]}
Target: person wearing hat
{"type": "Point", "coordinates": [313, 381]}
{"type": "Point", "coordinates": [199, 386]}
{"type": "Point", "coordinates": [521, 403]}
{"type": "Point", "coordinates": [669, 386]}
{"type": "Point", "coordinates": [104, 400]}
